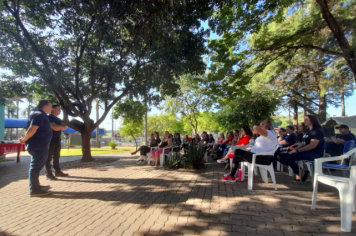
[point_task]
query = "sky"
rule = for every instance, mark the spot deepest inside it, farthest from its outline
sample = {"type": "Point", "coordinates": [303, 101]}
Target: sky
{"type": "Point", "coordinates": [107, 123]}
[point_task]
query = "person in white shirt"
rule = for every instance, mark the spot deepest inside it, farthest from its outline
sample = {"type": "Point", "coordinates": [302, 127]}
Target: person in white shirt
{"type": "Point", "coordinates": [266, 142]}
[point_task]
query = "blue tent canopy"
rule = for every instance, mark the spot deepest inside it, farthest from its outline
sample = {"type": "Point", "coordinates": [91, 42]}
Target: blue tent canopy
{"type": "Point", "coordinates": [71, 131]}
{"type": "Point", "coordinates": [15, 123]}
{"type": "Point", "coordinates": [22, 123]}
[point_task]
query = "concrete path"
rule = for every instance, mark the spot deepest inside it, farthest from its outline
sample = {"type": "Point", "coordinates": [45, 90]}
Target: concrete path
{"type": "Point", "coordinates": [121, 198]}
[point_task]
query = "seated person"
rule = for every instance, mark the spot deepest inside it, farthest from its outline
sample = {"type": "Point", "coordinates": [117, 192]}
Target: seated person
{"type": "Point", "coordinates": [282, 135]}
{"type": "Point", "coordinates": [205, 139]}
{"type": "Point", "coordinates": [219, 142]}
{"type": "Point", "coordinates": [155, 140]}
{"type": "Point", "coordinates": [266, 142]}
{"type": "Point", "coordinates": [311, 148]}
{"type": "Point", "coordinates": [289, 139]}
{"type": "Point", "coordinates": [176, 142]}
{"type": "Point", "coordinates": [236, 135]}
{"type": "Point", "coordinates": [211, 140]}
{"type": "Point", "coordinates": [302, 130]}
{"type": "Point", "coordinates": [176, 139]}
{"type": "Point", "coordinates": [246, 135]}
{"type": "Point", "coordinates": [196, 139]}
{"type": "Point", "coordinates": [335, 144]}
{"type": "Point", "coordinates": [166, 142]}
{"type": "Point", "coordinates": [220, 150]}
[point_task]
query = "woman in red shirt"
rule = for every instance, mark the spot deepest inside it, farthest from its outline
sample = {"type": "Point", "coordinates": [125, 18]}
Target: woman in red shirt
{"type": "Point", "coordinates": [246, 135]}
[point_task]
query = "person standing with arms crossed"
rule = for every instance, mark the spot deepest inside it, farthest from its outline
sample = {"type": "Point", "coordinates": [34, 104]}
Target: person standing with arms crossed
{"type": "Point", "coordinates": [54, 151]}
{"type": "Point", "coordinates": [37, 139]}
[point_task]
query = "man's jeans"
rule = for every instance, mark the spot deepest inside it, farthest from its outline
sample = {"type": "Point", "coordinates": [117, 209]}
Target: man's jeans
{"type": "Point", "coordinates": [54, 153]}
{"type": "Point", "coordinates": [38, 160]}
{"type": "Point", "coordinates": [290, 159]}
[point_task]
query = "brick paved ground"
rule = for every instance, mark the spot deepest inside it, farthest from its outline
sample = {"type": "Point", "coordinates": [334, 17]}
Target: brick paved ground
{"type": "Point", "coordinates": [122, 198]}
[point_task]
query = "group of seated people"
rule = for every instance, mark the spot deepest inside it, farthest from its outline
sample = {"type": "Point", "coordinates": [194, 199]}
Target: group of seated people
{"type": "Point", "coordinates": [307, 145]}
{"type": "Point", "coordinates": [240, 145]}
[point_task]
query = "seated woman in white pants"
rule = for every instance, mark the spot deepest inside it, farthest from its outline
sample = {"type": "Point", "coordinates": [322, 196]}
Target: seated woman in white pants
{"type": "Point", "coordinates": [266, 142]}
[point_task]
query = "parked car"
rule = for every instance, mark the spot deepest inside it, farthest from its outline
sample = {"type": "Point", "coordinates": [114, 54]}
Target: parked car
{"type": "Point", "coordinates": [118, 143]}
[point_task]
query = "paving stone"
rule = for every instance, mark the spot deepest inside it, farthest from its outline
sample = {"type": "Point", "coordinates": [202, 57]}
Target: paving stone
{"type": "Point", "coordinates": [121, 198]}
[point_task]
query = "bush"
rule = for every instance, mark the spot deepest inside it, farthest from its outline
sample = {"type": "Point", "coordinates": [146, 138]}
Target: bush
{"type": "Point", "coordinates": [195, 155]}
{"type": "Point", "coordinates": [112, 144]}
{"type": "Point", "coordinates": [175, 160]}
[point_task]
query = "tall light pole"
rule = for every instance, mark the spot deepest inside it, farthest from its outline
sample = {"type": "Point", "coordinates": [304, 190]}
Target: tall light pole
{"type": "Point", "coordinates": [112, 123]}
{"type": "Point", "coordinates": [97, 128]}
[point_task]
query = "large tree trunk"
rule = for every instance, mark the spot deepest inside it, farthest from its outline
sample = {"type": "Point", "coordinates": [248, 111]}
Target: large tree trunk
{"type": "Point", "coordinates": [322, 109]}
{"type": "Point", "coordinates": [342, 102]}
{"type": "Point", "coordinates": [349, 53]}
{"type": "Point", "coordinates": [86, 135]}
{"type": "Point", "coordinates": [295, 114]}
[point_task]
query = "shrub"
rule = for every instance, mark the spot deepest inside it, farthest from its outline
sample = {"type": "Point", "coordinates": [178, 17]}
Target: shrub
{"type": "Point", "coordinates": [175, 160]}
{"type": "Point", "coordinates": [112, 144]}
{"type": "Point", "coordinates": [195, 155]}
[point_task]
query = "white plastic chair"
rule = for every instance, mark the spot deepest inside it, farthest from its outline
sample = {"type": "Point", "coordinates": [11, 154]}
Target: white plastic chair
{"type": "Point", "coordinates": [149, 156]}
{"type": "Point", "coordinates": [346, 187]}
{"type": "Point", "coordinates": [263, 169]}
{"type": "Point", "coordinates": [163, 155]}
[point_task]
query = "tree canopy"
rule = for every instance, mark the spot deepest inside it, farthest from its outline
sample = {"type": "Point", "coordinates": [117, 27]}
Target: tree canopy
{"type": "Point", "coordinates": [108, 50]}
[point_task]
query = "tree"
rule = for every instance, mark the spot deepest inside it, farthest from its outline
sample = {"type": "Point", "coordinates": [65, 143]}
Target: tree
{"type": "Point", "coordinates": [319, 25]}
{"type": "Point", "coordinates": [131, 128]}
{"type": "Point", "coordinates": [190, 101]}
{"type": "Point", "coordinates": [165, 122]}
{"type": "Point", "coordinates": [132, 113]}
{"type": "Point", "coordinates": [108, 50]}
{"type": "Point", "coordinates": [247, 110]}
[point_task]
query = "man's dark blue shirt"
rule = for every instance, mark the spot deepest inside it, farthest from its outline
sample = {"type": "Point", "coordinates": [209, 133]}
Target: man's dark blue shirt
{"type": "Point", "coordinates": [43, 135]}
{"type": "Point", "coordinates": [335, 149]}
{"type": "Point", "coordinates": [56, 134]}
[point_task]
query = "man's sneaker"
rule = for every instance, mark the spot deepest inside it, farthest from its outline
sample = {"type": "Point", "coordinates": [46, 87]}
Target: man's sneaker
{"type": "Point", "coordinates": [225, 175]}
{"type": "Point", "coordinates": [60, 174]}
{"type": "Point", "coordinates": [45, 187]}
{"type": "Point", "coordinates": [221, 160]}
{"type": "Point", "coordinates": [51, 177]}
{"type": "Point", "coordinates": [229, 178]}
{"type": "Point", "coordinates": [39, 193]}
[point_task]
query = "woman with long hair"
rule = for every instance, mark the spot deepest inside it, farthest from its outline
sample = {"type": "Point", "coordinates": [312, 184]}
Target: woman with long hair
{"type": "Point", "coordinates": [266, 142]}
{"type": "Point", "coordinates": [155, 140]}
{"type": "Point", "coordinates": [246, 135]}
{"type": "Point", "coordinates": [312, 147]}
{"type": "Point", "coordinates": [166, 142]}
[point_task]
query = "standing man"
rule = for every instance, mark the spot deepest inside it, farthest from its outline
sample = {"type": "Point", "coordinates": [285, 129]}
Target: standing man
{"type": "Point", "coordinates": [37, 139]}
{"type": "Point", "coordinates": [55, 145]}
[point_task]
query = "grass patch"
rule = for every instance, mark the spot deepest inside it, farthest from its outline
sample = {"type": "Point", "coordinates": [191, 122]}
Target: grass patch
{"type": "Point", "coordinates": [95, 151]}
{"type": "Point", "coordinates": [4, 160]}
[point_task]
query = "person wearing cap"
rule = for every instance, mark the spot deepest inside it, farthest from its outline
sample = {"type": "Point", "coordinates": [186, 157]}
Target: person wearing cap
{"type": "Point", "coordinates": [335, 144]}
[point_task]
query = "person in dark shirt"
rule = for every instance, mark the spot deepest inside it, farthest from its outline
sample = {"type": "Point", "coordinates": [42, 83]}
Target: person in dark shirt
{"type": "Point", "coordinates": [302, 130]}
{"type": "Point", "coordinates": [205, 138]}
{"type": "Point", "coordinates": [290, 138]}
{"type": "Point", "coordinates": [37, 140]}
{"type": "Point", "coordinates": [54, 152]}
{"type": "Point", "coordinates": [155, 140]}
{"type": "Point", "coordinates": [311, 148]}
{"type": "Point", "coordinates": [282, 135]}
{"type": "Point", "coordinates": [335, 145]}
